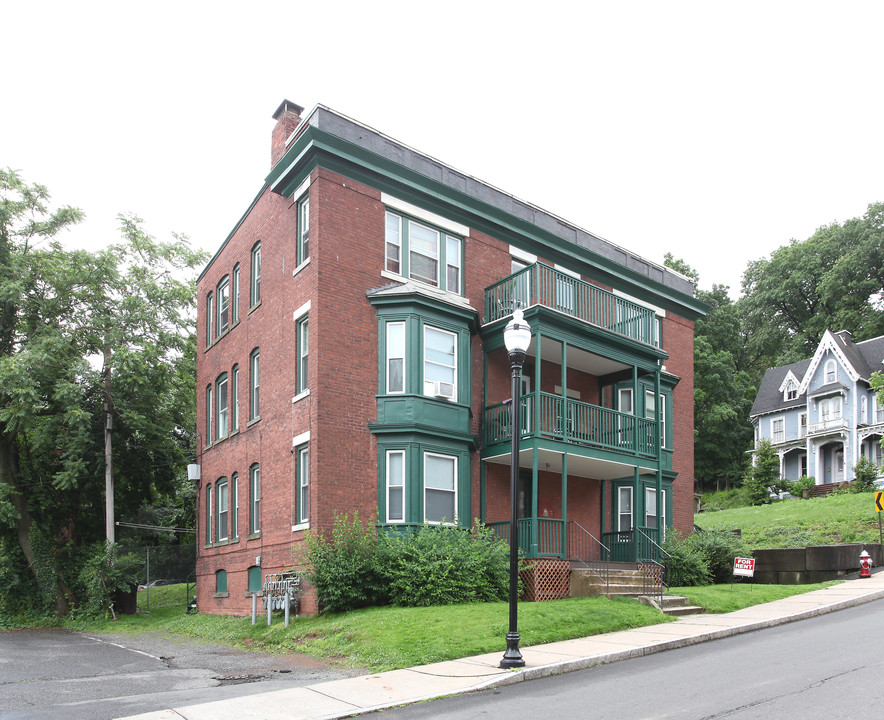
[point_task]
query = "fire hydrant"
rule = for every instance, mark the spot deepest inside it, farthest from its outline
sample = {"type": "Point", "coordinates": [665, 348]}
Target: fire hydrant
{"type": "Point", "coordinates": [865, 564]}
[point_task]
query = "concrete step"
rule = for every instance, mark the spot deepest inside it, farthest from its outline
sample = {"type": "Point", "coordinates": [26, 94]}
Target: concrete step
{"type": "Point", "coordinates": [674, 605]}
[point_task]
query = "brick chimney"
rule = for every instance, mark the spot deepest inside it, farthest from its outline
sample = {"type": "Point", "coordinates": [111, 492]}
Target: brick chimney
{"type": "Point", "coordinates": [288, 117]}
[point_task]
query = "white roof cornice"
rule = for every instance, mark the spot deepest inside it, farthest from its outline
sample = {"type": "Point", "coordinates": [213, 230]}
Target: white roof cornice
{"type": "Point", "coordinates": [827, 343]}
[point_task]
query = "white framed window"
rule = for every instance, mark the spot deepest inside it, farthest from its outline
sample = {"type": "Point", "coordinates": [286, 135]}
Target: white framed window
{"type": "Point", "coordinates": [234, 505]}
{"type": "Point", "coordinates": [395, 486]}
{"type": "Point", "coordinates": [423, 253]}
{"type": "Point", "coordinates": [651, 509]}
{"type": "Point", "coordinates": [234, 296]}
{"type": "Point", "coordinates": [304, 229]}
{"type": "Point", "coordinates": [791, 392]}
{"type": "Point", "coordinates": [222, 490]}
{"type": "Point", "coordinates": [395, 348]}
{"type": "Point", "coordinates": [223, 292]}
{"type": "Point", "coordinates": [803, 465]}
{"type": "Point", "coordinates": [830, 409]}
{"type": "Point", "coordinates": [254, 499]}
{"type": "Point", "coordinates": [864, 410]}
{"type": "Point", "coordinates": [209, 318]}
{"type": "Point", "coordinates": [831, 371]}
{"type": "Point", "coordinates": [453, 264]}
{"type": "Point", "coordinates": [878, 410]}
{"type": "Point", "coordinates": [303, 484]}
{"type": "Point", "coordinates": [221, 408]}
{"type": "Point", "coordinates": [440, 489]}
{"type": "Point", "coordinates": [778, 430]}
{"type": "Point", "coordinates": [303, 354]}
{"type": "Point", "coordinates": [440, 363]}
{"type": "Point", "coordinates": [256, 275]}
{"type": "Point", "coordinates": [234, 398]}
{"type": "Point", "coordinates": [662, 420]}
{"type": "Point", "coordinates": [209, 415]}
{"type": "Point", "coordinates": [255, 384]}
{"type": "Point", "coordinates": [624, 400]}
{"type": "Point", "coordinates": [802, 427]}
{"type": "Point", "coordinates": [209, 514]}
{"type": "Point", "coordinates": [624, 509]}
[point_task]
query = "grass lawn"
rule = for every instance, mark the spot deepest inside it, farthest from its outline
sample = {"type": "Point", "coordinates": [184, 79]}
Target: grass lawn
{"type": "Point", "coordinates": [847, 518]}
{"type": "Point", "coordinates": [388, 638]}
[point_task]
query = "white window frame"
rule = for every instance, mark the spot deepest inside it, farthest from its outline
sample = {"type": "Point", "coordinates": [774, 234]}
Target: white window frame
{"type": "Point", "coordinates": [453, 250]}
{"type": "Point", "coordinates": [303, 229]}
{"type": "Point", "coordinates": [255, 280]}
{"type": "Point", "coordinates": [652, 492]}
{"type": "Point", "coordinates": [210, 319]}
{"type": "Point", "coordinates": [802, 425]}
{"type": "Point", "coordinates": [399, 248]}
{"type": "Point", "coordinates": [209, 511]}
{"type": "Point", "coordinates": [791, 391]}
{"type": "Point", "coordinates": [234, 296]}
{"type": "Point", "coordinates": [662, 401]}
{"type": "Point", "coordinates": [234, 399]}
{"type": "Point", "coordinates": [830, 408]}
{"type": "Point", "coordinates": [303, 345]}
{"type": "Point", "coordinates": [864, 410]}
{"type": "Point", "coordinates": [303, 455]}
{"type": "Point", "coordinates": [223, 303]}
{"type": "Point", "coordinates": [209, 419]}
{"type": "Point", "coordinates": [453, 491]}
{"type": "Point", "coordinates": [776, 437]}
{"type": "Point", "coordinates": [830, 368]}
{"type": "Point", "coordinates": [234, 505]}
{"type": "Point", "coordinates": [255, 384]}
{"type": "Point", "coordinates": [390, 487]}
{"type": "Point", "coordinates": [222, 408]}
{"type": "Point", "coordinates": [254, 499]}
{"type": "Point", "coordinates": [393, 354]}
{"type": "Point", "coordinates": [629, 513]}
{"type": "Point", "coordinates": [621, 394]}
{"type": "Point", "coordinates": [428, 388]}
{"type": "Point", "coordinates": [222, 495]}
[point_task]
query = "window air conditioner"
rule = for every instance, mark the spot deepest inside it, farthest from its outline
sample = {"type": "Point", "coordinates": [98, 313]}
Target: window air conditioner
{"type": "Point", "coordinates": [443, 390]}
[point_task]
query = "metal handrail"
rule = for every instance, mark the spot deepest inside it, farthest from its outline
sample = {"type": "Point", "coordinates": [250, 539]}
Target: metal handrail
{"type": "Point", "coordinates": [658, 578]}
{"type": "Point", "coordinates": [601, 567]}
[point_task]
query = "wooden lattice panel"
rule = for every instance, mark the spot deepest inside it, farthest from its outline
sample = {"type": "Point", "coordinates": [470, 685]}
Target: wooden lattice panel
{"type": "Point", "coordinates": [546, 579]}
{"type": "Point", "coordinates": [653, 572]}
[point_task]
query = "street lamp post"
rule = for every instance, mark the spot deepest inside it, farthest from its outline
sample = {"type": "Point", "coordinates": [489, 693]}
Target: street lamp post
{"type": "Point", "coordinates": [516, 337]}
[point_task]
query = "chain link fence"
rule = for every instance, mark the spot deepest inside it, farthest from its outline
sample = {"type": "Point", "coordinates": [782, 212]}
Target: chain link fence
{"type": "Point", "coordinates": [165, 566]}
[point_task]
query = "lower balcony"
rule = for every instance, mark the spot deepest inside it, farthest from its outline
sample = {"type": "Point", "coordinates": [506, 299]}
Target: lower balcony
{"type": "Point", "coordinates": [551, 537]}
{"type": "Point", "coordinates": [544, 415]}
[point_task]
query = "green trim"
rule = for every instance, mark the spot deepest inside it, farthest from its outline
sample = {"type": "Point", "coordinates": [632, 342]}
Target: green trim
{"type": "Point", "coordinates": [316, 147]}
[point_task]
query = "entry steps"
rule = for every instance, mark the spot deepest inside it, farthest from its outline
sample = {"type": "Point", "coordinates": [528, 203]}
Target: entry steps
{"type": "Point", "coordinates": [626, 580]}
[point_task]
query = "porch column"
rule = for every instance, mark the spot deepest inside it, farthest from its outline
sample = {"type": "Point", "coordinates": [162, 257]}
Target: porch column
{"type": "Point", "coordinates": [638, 510]}
{"type": "Point", "coordinates": [565, 549]}
{"type": "Point", "coordinates": [658, 403]}
{"type": "Point", "coordinates": [536, 427]}
{"type": "Point", "coordinates": [603, 503]}
{"type": "Point", "coordinates": [635, 445]}
{"type": "Point", "coordinates": [566, 430]}
{"type": "Point", "coordinates": [483, 468]}
{"type": "Point", "coordinates": [535, 545]}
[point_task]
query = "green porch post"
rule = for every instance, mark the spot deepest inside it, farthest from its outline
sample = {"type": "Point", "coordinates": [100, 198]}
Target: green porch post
{"type": "Point", "coordinates": [638, 510]}
{"type": "Point", "coordinates": [658, 402]}
{"type": "Point", "coordinates": [535, 543]}
{"type": "Point", "coordinates": [566, 551]}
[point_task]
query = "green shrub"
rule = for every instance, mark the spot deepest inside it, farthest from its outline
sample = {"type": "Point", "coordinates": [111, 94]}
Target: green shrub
{"type": "Point", "coordinates": [106, 568]}
{"type": "Point", "coordinates": [344, 568]}
{"type": "Point", "coordinates": [720, 547]}
{"type": "Point", "coordinates": [443, 565]}
{"type": "Point", "coordinates": [865, 473]}
{"type": "Point", "coordinates": [797, 487]}
{"type": "Point", "coordinates": [686, 564]}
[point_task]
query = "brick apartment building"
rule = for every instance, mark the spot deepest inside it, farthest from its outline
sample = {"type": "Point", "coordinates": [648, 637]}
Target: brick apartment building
{"type": "Point", "coordinates": [350, 358]}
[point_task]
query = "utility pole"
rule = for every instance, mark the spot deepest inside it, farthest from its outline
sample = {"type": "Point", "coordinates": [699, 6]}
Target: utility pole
{"type": "Point", "coordinates": [108, 451]}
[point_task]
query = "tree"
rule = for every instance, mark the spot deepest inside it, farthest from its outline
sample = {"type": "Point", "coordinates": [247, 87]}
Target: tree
{"type": "Point", "coordinates": [764, 475]}
{"type": "Point", "coordinates": [833, 280]}
{"type": "Point", "coordinates": [88, 340]}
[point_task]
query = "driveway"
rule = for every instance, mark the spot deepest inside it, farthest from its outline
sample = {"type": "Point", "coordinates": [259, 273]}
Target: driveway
{"type": "Point", "coordinates": [47, 674]}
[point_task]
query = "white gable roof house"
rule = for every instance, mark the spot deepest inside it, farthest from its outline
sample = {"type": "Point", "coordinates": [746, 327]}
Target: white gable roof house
{"type": "Point", "coordinates": [821, 414]}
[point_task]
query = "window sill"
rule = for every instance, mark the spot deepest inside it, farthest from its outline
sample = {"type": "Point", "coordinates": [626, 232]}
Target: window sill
{"type": "Point", "coordinates": [221, 595]}
{"type": "Point", "coordinates": [253, 421]}
{"type": "Point", "coordinates": [451, 297]}
{"type": "Point", "coordinates": [254, 536]}
{"type": "Point", "coordinates": [301, 526]}
{"type": "Point", "coordinates": [301, 395]}
{"type": "Point", "coordinates": [300, 267]}
{"type": "Point", "coordinates": [254, 307]}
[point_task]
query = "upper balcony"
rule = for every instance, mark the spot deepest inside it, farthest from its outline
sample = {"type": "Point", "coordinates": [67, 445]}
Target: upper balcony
{"type": "Point", "coordinates": [540, 284]}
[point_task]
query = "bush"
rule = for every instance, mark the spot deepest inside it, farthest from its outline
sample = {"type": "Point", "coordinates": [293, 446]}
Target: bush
{"type": "Point", "coordinates": [865, 472]}
{"type": "Point", "coordinates": [106, 568]}
{"type": "Point", "coordinates": [797, 487]}
{"type": "Point", "coordinates": [443, 565]}
{"type": "Point", "coordinates": [720, 548]}
{"type": "Point", "coordinates": [344, 568]}
{"type": "Point", "coordinates": [686, 564]}
{"type": "Point", "coordinates": [725, 499]}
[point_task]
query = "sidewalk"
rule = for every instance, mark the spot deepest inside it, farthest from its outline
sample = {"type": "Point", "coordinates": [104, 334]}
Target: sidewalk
{"type": "Point", "coordinates": [367, 693]}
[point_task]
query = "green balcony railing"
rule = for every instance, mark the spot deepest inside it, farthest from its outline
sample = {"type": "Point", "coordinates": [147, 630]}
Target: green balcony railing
{"type": "Point", "coordinates": [573, 422]}
{"type": "Point", "coordinates": [540, 284]}
{"type": "Point", "coordinates": [546, 534]}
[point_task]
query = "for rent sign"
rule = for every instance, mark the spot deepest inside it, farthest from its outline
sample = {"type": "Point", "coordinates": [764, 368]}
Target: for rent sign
{"type": "Point", "coordinates": [744, 567]}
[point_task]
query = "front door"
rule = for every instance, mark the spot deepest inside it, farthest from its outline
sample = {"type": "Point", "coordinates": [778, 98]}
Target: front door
{"type": "Point", "coordinates": [839, 466]}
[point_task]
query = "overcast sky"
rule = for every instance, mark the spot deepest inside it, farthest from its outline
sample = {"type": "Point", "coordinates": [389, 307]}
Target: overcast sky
{"type": "Point", "coordinates": [715, 131]}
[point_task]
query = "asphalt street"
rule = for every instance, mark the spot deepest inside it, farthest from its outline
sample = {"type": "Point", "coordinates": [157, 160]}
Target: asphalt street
{"type": "Point", "coordinates": [52, 674]}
